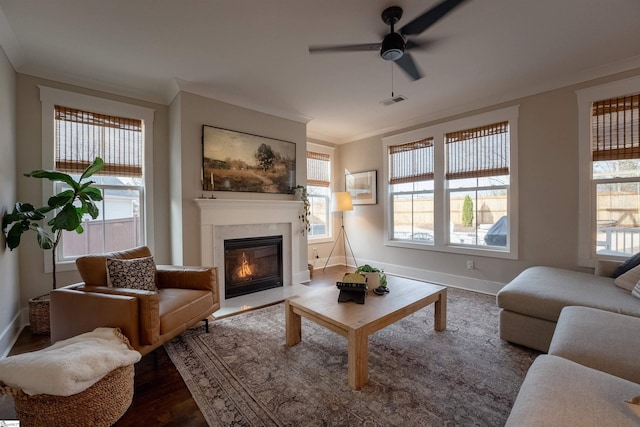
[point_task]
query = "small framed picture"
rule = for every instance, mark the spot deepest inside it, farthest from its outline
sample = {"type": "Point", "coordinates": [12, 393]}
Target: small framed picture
{"type": "Point", "coordinates": [363, 187]}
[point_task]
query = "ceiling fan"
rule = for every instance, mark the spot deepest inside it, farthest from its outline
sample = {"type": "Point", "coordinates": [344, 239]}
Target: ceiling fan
{"type": "Point", "coordinates": [394, 46]}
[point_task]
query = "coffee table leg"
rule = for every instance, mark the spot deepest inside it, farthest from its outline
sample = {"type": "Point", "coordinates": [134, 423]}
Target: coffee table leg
{"type": "Point", "coordinates": [293, 324]}
{"type": "Point", "coordinates": [440, 321]}
{"type": "Point", "coordinates": [358, 358]}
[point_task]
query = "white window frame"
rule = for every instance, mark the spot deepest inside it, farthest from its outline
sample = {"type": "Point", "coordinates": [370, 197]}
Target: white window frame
{"type": "Point", "coordinates": [49, 97]}
{"type": "Point", "coordinates": [330, 152]}
{"type": "Point", "coordinates": [587, 256]}
{"type": "Point", "coordinates": [441, 208]}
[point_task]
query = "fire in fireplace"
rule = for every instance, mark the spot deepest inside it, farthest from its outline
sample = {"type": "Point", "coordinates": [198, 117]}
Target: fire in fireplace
{"type": "Point", "coordinates": [252, 265]}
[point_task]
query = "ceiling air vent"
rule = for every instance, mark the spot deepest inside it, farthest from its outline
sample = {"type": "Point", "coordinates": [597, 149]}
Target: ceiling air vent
{"type": "Point", "coordinates": [393, 100]}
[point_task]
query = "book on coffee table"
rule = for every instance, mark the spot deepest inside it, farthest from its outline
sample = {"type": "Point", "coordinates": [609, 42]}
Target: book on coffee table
{"type": "Point", "coordinates": [353, 287]}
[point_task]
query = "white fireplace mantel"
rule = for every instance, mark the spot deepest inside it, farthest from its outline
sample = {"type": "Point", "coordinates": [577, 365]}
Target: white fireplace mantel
{"type": "Point", "coordinates": [224, 217]}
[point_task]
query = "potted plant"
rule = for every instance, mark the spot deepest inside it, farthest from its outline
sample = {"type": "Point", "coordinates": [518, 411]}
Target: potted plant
{"type": "Point", "coordinates": [301, 192]}
{"type": "Point", "coordinates": [375, 276]}
{"type": "Point", "coordinates": [69, 206]}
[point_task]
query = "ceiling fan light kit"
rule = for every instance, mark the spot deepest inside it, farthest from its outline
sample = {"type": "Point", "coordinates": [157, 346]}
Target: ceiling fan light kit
{"type": "Point", "coordinates": [394, 46]}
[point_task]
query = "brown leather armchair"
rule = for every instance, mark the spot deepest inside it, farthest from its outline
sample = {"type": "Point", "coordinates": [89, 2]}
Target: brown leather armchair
{"type": "Point", "coordinates": [186, 296]}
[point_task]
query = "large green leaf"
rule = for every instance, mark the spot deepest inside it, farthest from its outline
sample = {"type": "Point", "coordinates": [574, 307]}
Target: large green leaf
{"type": "Point", "coordinates": [93, 193]}
{"type": "Point", "coordinates": [92, 209]}
{"type": "Point", "coordinates": [44, 240]}
{"type": "Point", "coordinates": [14, 233]}
{"type": "Point", "coordinates": [67, 219]}
{"type": "Point", "coordinates": [54, 176]}
{"type": "Point", "coordinates": [61, 199]}
{"type": "Point", "coordinates": [23, 207]}
{"type": "Point", "coordinates": [96, 166]}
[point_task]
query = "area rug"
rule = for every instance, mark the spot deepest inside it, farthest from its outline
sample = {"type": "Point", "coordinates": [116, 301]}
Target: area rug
{"type": "Point", "coordinates": [242, 374]}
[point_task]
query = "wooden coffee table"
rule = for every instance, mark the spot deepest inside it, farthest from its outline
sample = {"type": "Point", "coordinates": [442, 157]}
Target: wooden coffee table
{"type": "Point", "coordinates": [357, 321]}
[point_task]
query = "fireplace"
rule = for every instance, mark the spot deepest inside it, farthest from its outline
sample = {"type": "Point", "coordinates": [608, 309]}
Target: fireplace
{"type": "Point", "coordinates": [252, 265]}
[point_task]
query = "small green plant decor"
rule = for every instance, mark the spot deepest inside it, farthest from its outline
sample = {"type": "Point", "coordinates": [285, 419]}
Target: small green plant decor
{"type": "Point", "coordinates": [301, 192]}
{"type": "Point", "coordinates": [367, 269]}
{"type": "Point", "coordinates": [69, 207]}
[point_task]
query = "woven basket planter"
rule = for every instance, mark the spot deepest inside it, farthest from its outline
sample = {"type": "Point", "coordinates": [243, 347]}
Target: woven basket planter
{"type": "Point", "coordinates": [39, 315]}
{"type": "Point", "coordinates": [102, 404]}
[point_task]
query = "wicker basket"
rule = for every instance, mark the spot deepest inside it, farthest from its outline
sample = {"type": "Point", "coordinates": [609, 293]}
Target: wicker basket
{"type": "Point", "coordinates": [39, 315]}
{"type": "Point", "coordinates": [102, 404]}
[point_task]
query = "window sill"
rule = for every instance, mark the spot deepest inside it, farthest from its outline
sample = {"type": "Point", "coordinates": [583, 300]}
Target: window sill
{"type": "Point", "coordinates": [462, 250]}
{"type": "Point", "coordinates": [60, 266]}
{"type": "Point", "coordinates": [315, 240]}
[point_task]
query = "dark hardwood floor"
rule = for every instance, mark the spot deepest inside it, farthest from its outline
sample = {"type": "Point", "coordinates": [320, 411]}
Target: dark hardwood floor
{"type": "Point", "coordinates": [161, 397]}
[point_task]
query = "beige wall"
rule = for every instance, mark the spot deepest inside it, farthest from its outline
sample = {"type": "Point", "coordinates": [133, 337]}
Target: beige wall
{"type": "Point", "coordinates": [33, 280]}
{"type": "Point", "coordinates": [547, 191]}
{"type": "Point", "coordinates": [188, 113]}
{"type": "Point", "coordinates": [9, 274]}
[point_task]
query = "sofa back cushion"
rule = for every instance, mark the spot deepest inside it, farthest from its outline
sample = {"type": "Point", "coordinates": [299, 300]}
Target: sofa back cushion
{"type": "Point", "coordinates": [93, 268]}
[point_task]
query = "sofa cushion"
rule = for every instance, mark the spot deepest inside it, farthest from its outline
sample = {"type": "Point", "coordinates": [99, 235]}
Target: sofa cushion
{"type": "Point", "coordinates": [559, 392]}
{"type": "Point", "coordinates": [627, 265]}
{"type": "Point", "coordinates": [137, 273]}
{"type": "Point", "coordinates": [601, 340]}
{"type": "Point", "coordinates": [543, 292]}
{"type": "Point", "coordinates": [179, 306]}
{"type": "Point", "coordinates": [629, 279]}
{"type": "Point", "coordinates": [636, 290]}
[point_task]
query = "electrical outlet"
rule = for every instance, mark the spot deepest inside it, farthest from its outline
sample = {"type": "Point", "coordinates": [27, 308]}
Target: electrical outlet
{"type": "Point", "coordinates": [470, 265]}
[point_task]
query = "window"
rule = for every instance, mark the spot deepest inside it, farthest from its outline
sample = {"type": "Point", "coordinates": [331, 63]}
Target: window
{"type": "Point", "coordinates": [81, 136]}
{"type": "Point", "coordinates": [610, 156]}
{"type": "Point", "coordinates": [478, 185]}
{"type": "Point", "coordinates": [411, 190]}
{"type": "Point", "coordinates": [319, 192]}
{"type": "Point", "coordinates": [449, 186]}
{"type": "Point", "coordinates": [76, 129]}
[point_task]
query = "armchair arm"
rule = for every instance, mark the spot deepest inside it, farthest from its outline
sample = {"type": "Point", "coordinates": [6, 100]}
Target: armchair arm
{"type": "Point", "coordinates": [75, 312]}
{"type": "Point", "coordinates": [148, 309]}
{"type": "Point", "coordinates": [204, 278]}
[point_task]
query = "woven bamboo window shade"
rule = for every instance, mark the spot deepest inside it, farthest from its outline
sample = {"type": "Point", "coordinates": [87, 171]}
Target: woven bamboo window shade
{"type": "Point", "coordinates": [411, 162]}
{"type": "Point", "coordinates": [318, 172]}
{"type": "Point", "coordinates": [478, 152]}
{"type": "Point", "coordinates": [81, 136]}
{"type": "Point", "coordinates": [615, 132]}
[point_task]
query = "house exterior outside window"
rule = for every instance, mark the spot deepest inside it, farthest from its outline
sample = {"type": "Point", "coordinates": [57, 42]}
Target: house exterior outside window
{"type": "Point", "coordinates": [449, 186]}
{"type": "Point", "coordinates": [319, 190]}
{"type": "Point", "coordinates": [609, 132]}
{"type": "Point", "coordinates": [76, 129]}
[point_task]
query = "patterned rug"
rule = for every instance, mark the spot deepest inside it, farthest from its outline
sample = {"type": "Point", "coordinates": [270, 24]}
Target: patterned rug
{"type": "Point", "coordinates": [242, 374]}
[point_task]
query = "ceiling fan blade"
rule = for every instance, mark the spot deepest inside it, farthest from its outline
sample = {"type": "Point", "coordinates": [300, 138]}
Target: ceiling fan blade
{"type": "Point", "coordinates": [430, 17]}
{"type": "Point", "coordinates": [345, 48]}
{"type": "Point", "coordinates": [419, 45]}
{"type": "Point", "coordinates": [409, 66]}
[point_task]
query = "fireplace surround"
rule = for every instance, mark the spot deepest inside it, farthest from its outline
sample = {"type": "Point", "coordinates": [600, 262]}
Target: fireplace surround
{"type": "Point", "coordinates": [225, 219]}
{"type": "Point", "coordinates": [252, 264]}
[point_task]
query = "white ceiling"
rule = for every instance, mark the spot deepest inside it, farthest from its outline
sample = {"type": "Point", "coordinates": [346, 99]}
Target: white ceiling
{"type": "Point", "coordinates": [254, 53]}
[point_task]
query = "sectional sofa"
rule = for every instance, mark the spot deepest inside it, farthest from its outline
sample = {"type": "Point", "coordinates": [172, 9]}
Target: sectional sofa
{"type": "Point", "coordinates": [589, 324]}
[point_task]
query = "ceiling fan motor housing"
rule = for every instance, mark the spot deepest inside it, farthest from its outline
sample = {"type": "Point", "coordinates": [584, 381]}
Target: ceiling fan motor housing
{"type": "Point", "coordinates": [392, 47]}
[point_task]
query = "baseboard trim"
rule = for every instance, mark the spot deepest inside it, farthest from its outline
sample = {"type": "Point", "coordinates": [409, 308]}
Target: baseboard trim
{"type": "Point", "coordinates": [444, 279]}
{"type": "Point", "coordinates": [11, 333]}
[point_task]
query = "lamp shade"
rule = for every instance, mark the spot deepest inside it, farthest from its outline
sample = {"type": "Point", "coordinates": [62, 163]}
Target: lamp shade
{"type": "Point", "coordinates": [341, 201]}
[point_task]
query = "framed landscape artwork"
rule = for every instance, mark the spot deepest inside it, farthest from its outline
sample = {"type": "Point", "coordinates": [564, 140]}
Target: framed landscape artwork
{"type": "Point", "coordinates": [363, 187]}
{"type": "Point", "coordinates": [237, 161]}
